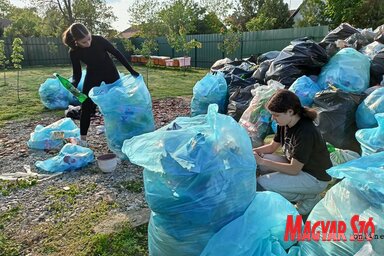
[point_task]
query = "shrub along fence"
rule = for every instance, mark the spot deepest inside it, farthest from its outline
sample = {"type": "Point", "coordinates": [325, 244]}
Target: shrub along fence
{"type": "Point", "coordinates": [51, 51]}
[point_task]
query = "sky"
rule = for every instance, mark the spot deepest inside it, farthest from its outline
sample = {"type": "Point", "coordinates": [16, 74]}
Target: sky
{"type": "Point", "coordinates": [120, 8]}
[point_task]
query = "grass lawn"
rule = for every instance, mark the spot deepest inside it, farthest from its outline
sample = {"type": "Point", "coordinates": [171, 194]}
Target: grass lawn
{"type": "Point", "coordinates": [163, 82]}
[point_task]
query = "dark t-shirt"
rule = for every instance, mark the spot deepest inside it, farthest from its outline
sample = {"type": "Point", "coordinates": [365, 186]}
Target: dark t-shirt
{"type": "Point", "coordinates": [99, 64]}
{"type": "Point", "coordinates": [304, 143]}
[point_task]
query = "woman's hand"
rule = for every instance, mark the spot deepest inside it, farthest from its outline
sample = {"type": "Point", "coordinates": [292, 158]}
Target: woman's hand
{"type": "Point", "coordinates": [258, 156]}
{"type": "Point", "coordinates": [135, 74]}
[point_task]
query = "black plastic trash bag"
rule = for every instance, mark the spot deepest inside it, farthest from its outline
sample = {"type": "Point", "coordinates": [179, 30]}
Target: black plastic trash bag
{"type": "Point", "coordinates": [336, 117]}
{"type": "Point", "coordinates": [357, 41]}
{"type": "Point", "coordinates": [343, 31]}
{"type": "Point", "coordinates": [239, 101]}
{"type": "Point", "coordinates": [377, 68]}
{"type": "Point", "coordinates": [302, 57]}
{"type": "Point", "coordinates": [267, 56]}
{"type": "Point", "coordinates": [379, 31]}
{"type": "Point", "coordinates": [260, 72]}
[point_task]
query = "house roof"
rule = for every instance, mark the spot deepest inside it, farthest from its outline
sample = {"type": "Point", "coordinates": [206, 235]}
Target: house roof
{"type": "Point", "coordinates": [129, 32]}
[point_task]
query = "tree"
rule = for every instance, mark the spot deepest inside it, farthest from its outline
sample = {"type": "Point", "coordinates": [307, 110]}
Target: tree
{"type": "Point", "coordinates": [313, 12]}
{"type": "Point", "coordinates": [231, 42]}
{"type": "Point", "coordinates": [95, 14]}
{"type": "Point", "coordinates": [16, 58]}
{"type": "Point", "coordinates": [53, 23]}
{"type": "Point", "coordinates": [3, 59]}
{"type": "Point", "coordinates": [221, 8]}
{"type": "Point", "coordinates": [5, 7]}
{"type": "Point", "coordinates": [210, 24]}
{"type": "Point", "coordinates": [341, 11]}
{"type": "Point", "coordinates": [273, 14]}
{"type": "Point", "coordinates": [24, 22]}
{"type": "Point", "coordinates": [179, 17]}
{"type": "Point", "coordinates": [368, 13]}
{"type": "Point", "coordinates": [145, 16]}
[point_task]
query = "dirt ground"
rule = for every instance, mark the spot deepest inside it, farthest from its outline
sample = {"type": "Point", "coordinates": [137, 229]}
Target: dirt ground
{"type": "Point", "coordinates": [38, 205]}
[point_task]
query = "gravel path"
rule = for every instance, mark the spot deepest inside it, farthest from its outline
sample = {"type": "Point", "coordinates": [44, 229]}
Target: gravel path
{"type": "Point", "coordinates": [35, 202]}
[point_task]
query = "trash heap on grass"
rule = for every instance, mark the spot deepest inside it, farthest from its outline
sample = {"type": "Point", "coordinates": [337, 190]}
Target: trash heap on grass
{"type": "Point", "coordinates": [340, 77]}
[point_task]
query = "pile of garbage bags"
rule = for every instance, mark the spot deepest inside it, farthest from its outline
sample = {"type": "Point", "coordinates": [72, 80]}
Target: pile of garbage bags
{"type": "Point", "coordinates": [340, 77]}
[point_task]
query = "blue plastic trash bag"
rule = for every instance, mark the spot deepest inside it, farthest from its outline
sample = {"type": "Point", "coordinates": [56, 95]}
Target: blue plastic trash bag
{"type": "Point", "coordinates": [53, 135]}
{"type": "Point", "coordinates": [360, 193]}
{"type": "Point", "coordinates": [212, 89]}
{"type": "Point", "coordinates": [53, 95]}
{"type": "Point", "coordinates": [259, 231]}
{"type": "Point", "coordinates": [347, 70]}
{"type": "Point", "coordinates": [70, 157]}
{"type": "Point", "coordinates": [256, 119]}
{"type": "Point", "coordinates": [305, 88]}
{"type": "Point", "coordinates": [199, 175]}
{"type": "Point", "coordinates": [365, 113]}
{"type": "Point", "coordinates": [372, 139]}
{"type": "Point", "coordinates": [127, 108]}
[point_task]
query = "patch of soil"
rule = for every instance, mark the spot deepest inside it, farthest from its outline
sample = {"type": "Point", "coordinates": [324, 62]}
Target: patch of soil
{"type": "Point", "coordinates": [34, 202]}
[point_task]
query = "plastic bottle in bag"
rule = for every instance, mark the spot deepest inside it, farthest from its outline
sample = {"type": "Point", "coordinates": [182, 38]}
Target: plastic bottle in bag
{"type": "Point", "coordinates": [72, 89]}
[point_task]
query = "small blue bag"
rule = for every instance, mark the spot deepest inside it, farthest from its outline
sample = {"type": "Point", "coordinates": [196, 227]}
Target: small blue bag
{"type": "Point", "coordinates": [347, 70]}
{"type": "Point", "coordinates": [212, 89]}
{"type": "Point", "coordinates": [305, 88]}
{"type": "Point", "coordinates": [70, 157]}
{"type": "Point", "coordinates": [53, 95]}
{"type": "Point", "coordinates": [51, 136]}
{"type": "Point", "coordinates": [365, 113]}
{"type": "Point", "coordinates": [127, 108]}
{"type": "Point", "coordinates": [372, 139]}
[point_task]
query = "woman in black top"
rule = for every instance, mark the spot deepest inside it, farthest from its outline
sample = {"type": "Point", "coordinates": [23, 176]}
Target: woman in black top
{"type": "Point", "coordinates": [94, 52]}
{"type": "Point", "coordinates": [300, 175]}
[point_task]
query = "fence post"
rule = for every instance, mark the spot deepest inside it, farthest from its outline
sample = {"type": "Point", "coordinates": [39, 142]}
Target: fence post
{"type": "Point", "coordinates": [241, 46]}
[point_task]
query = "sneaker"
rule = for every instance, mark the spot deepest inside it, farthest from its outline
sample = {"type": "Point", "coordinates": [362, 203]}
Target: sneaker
{"type": "Point", "coordinates": [305, 206]}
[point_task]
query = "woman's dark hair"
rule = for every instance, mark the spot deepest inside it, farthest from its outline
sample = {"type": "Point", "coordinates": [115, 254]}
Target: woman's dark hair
{"type": "Point", "coordinates": [283, 100]}
{"type": "Point", "coordinates": [75, 32]}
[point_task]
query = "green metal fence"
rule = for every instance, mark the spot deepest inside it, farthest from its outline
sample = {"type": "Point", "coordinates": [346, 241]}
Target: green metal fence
{"type": "Point", "coordinates": [51, 51]}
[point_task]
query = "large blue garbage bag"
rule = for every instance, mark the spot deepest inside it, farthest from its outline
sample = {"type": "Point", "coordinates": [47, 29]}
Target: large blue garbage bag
{"type": "Point", "coordinates": [127, 108]}
{"type": "Point", "coordinates": [212, 89]}
{"type": "Point", "coordinates": [361, 193]}
{"type": "Point", "coordinates": [51, 136]}
{"type": "Point", "coordinates": [259, 231]}
{"type": "Point", "coordinates": [305, 88]}
{"type": "Point", "coordinates": [70, 157]}
{"type": "Point", "coordinates": [365, 113]}
{"type": "Point", "coordinates": [372, 139]}
{"type": "Point", "coordinates": [347, 70]}
{"type": "Point", "coordinates": [199, 175]}
{"type": "Point", "coordinates": [53, 95]}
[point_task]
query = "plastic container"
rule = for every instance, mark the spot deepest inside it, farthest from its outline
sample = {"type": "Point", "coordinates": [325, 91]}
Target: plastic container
{"type": "Point", "coordinates": [107, 162]}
